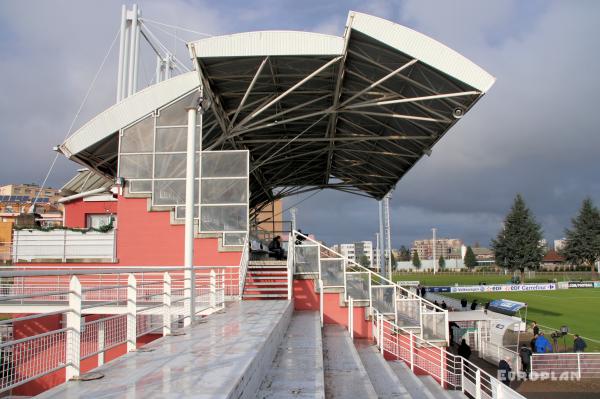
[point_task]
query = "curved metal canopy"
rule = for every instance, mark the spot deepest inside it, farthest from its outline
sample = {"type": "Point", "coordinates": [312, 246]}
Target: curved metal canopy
{"type": "Point", "coordinates": [352, 113]}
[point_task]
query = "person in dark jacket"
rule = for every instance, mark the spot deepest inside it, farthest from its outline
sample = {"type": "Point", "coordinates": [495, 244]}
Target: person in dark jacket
{"type": "Point", "coordinates": [532, 343]}
{"type": "Point", "coordinates": [464, 350]}
{"type": "Point", "coordinates": [504, 371]}
{"type": "Point", "coordinates": [463, 303]}
{"type": "Point", "coordinates": [423, 292]}
{"type": "Point", "coordinates": [525, 355]}
{"type": "Point", "coordinates": [536, 328]}
{"type": "Point", "coordinates": [579, 344]}
{"type": "Point", "coordinates": [444, 306]}
{"type": "Point", "coordinates": [275, 247]}
{"type": "Point", "coordinates": [474, 304]}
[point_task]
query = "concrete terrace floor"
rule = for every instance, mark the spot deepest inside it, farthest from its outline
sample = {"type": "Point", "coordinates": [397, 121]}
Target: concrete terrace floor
{"type": "Point", "coordinates": [213, 359]}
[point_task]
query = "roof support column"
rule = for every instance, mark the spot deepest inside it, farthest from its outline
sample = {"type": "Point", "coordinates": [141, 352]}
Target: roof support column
{"type": "Point", "coordinates": [189, 275]}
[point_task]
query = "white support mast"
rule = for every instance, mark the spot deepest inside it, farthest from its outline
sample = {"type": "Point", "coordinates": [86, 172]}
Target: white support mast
{"type": "Point", "coordinates": [122, 53]}
{"type": "Point", "coordinates": [433, 244]}
{"type": "Point", "coordinates": [381, 246]}
{"type": "Point", "coordinates": [388, 233]}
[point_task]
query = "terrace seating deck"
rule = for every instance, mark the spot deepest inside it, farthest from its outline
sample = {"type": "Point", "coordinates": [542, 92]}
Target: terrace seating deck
{"type": "Point", "coordinates": [225, 357]}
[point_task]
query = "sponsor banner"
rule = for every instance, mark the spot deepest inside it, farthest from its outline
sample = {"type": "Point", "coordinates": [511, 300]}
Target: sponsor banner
{"type": "Point", "coordinates": [563, 285]}
{"type": "Point", "coordinates": [504, 287]}
{"type": "Point", "coordinates": [596, 284]}
{"type": "Point", "coordinates": [412, 283]}
{"type": "Point", "coordinates": [581, 284]}
{"type": "Point", "coordinates": [438, 289]}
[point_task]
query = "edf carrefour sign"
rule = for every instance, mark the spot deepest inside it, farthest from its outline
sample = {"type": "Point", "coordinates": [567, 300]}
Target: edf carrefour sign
{"type": "Point", "coordinates": [504, 287]}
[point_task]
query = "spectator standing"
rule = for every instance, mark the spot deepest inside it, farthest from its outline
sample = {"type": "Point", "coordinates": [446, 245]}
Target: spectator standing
{"type": "Point", "coordinates": [504, 371]}
{"type": "Point", "coordinates": [536, 328]}
{"type": "Point", "coordinates": [542, 345]}
{"type": "Point", "coordinates": [464, 350]}
{"type": "Point", "coordinates": [474, 304]}
{"type": "Point", "coordinates": [444, 306]}
{"type": "Point", "coordinates": [525, 355]}
{"type": "Point", "coordinates": [463, 303]}
{"type": "Point", "coordinates": [579, 344]}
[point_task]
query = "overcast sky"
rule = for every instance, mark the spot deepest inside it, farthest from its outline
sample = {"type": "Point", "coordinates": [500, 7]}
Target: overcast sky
{"type": "Point", "coordinates": [535, 132]}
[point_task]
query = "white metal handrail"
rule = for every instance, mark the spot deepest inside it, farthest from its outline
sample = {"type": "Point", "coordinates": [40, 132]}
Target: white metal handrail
{"type": "Point", "coordinates": [244, 259]}
{"type": "Point", "coordinates": [451, 371]}
{"type": "Point", "coordinates": [151, 299]}
{"type": "Point", "coordinates": [377, 281]}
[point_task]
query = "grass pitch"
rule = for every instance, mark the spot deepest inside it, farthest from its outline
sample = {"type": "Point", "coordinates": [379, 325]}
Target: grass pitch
{"type": "Point", "coordinates": [579, 309]}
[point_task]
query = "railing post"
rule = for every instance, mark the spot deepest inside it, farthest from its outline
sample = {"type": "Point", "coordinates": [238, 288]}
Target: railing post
{"type": "Point", "coordinates": [166, 304]}
{"type": "Point", "coordinates": [380, 331]}
{"type": "Point", "coordinates": [351, 317]}
{"type": "Point", "coordinates": [131, 313]}
{"type": "Point", "coordinates": [412, 352]}
{"type": "Point", "coordinates": [64, 251]}
{"type": "Point", "coordinates": [213, 289]}
{"type": "Point", "coordinates": [579, 365]}
{"type": "Point", "coordinates": [321, 301]}
{"type": "Point", "coordinates": [101, 334]}
{"type": "Point", "coordinates": [222, 296]}
{"type": "Point", "coordinates": [442, 368]}
{"type": "Point", "coordinates": [73, 329]}
{"type": "Point", "coordinates": [478, 383]}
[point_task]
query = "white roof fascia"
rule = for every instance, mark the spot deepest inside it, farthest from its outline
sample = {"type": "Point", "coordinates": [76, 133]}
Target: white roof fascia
{"type": "Point", "coordinates": [262, 43]}
{"type": "Point", "coordinates": [423, 48]}
{"type": "Point", "coordinates": [128, 111]}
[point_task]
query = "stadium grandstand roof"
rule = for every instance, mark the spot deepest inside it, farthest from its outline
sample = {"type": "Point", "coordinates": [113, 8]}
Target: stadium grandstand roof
{"type": "Point", "coordinates": [85, 180]}
{"type": "Point", "coordinates": [352, 113]}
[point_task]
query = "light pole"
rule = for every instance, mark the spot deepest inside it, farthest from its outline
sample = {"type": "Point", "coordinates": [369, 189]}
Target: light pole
{"type": "Point", "coordinates": [434, 251]}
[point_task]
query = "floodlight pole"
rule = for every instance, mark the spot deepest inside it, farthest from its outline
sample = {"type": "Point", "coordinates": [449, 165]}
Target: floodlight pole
{"type": "Point", "coordinates": [122, 53]}
{"type": "Point", "coordinates": [189, 275]}
{"type": "Point", "coordinates": [381, 240]}
{"type": "Point", "coordinates": [388, 232]}
{"type": "Point", "coordinates": [434, 251]}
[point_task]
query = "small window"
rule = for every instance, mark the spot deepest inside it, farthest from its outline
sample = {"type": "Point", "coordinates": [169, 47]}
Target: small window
{"type": "Point", "coordinates": [98, 220]}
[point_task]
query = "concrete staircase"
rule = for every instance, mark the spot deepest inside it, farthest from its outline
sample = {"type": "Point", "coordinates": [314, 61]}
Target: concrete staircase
{"type": "Point", "coordinates": [266, 279]}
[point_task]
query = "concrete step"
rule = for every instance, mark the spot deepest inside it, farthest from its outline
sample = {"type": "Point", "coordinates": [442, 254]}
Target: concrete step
{"type": "Point", "coordinates": [264, 296]}
{"type": "Point", "coordinates": [278, 278]}
{"type": "Point", "coordinates": [271, 272]}
{"type": "Point", "coordinates": [264, 288]}
{"type": "Point", "coordinates": [278, 283]}
{"type": "Point", "coordinates": [415, 387]}
{"type": "Point", "coordinates": [274, 262]}
{"type": "Point", "coordinates": [297, 371]}
{"type": "Point", "coordinates": [437, 390]}
{"type": "Point", "coordinates": [345, 375]}
{"type": "Point", "coordinates": [384, 380]}
{"type": "Point", "coordinates": [279, 267]}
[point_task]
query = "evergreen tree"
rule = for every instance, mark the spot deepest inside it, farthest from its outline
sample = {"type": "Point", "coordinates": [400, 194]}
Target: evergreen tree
{"type": "Point", "coordinates": [518, 243]}
{"type": "Point", "coordinates": [416, 261]}
{"type": "Point", "coordinates": [583, 240]}
{"type": "Point", "coordinates": [404, 253]}
{"type": "Point", "coordinates": [470, 259]}
{"type": "Point", "coordinates": [442, 262]}
{"type": "Point", "coordinates": [363, 260]}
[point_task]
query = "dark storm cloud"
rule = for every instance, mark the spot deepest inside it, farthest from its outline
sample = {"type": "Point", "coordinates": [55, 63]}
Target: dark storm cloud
{"type": "Point", "coordinates": [535, 132]}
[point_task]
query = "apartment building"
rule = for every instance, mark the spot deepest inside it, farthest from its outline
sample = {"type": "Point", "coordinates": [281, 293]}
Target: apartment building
{"type": "Point", "coordinates": [450, 248]}
{"type": "Point", "coordinates": [355, 251]}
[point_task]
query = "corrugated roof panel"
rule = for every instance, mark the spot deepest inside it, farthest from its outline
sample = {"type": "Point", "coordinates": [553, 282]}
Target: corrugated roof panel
{"type": "Point", "coordinates": [281, 43]}
{"type": "Point", "coordinates": [423, 48]}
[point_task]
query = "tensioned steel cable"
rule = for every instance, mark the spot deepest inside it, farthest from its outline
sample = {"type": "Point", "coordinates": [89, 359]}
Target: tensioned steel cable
{"type": "Point", "coordinates": [85, 98]}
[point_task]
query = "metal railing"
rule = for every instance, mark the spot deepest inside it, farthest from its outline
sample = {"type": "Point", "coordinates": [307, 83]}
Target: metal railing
{"type": "Point", "coordinates": [398, 303]}
{"type": "Point", "coordinates": [244, 265]}
{"type": "Point", "coordinates": [450, 371]}
{"type": "Point", "coordinates": [100, 309]}
{"type": "Point", "coordinates": [577, 364]}
{"type": "Point", "coordinates": [63, 245]}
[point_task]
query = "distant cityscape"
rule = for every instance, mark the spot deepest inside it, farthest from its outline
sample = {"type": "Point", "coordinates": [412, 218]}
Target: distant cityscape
{"type": "Point", "coordinates": [453, 251]}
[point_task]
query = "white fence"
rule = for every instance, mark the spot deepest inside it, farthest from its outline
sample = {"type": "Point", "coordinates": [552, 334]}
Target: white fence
{"type": "Point", "coordinates": [149, 300]}
{"type": "Point", "coordinates": [579, 364]}
{"type": "Point", "coordinates": [62, 245]}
